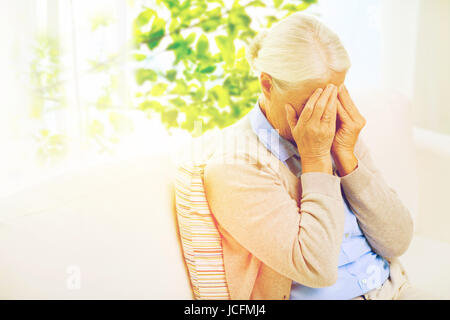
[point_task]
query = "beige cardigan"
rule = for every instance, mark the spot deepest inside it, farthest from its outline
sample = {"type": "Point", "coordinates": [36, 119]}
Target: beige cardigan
{"type": "Point", "coordinates": [277, 228]}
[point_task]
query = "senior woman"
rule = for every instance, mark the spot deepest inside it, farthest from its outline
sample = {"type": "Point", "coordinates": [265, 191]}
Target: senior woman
{"type": "Point", "coordinates": [311, 218]}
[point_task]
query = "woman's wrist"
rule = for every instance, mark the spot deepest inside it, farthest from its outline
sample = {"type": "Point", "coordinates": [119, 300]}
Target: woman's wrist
{"type": "Point", "coordinates": [317, 164]}
{"type": "Point", "coordinates": [346, 162]}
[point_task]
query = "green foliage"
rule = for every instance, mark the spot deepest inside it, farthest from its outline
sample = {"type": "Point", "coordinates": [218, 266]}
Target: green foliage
{"type": "Point", "coordinates": [51, 147]}
{"type": "Point", "coordinates": [109, 124]}
{"type": "Point", "coordinates": [45, 76]}
{"type": "Point", "coordinates": [105, 124]}
{"type": "Point", "coordinates": [208, 78]}
{"type": "Point", "coordinates": [101, 20]}
{"type": "Point", "coordinates": [47, 95]}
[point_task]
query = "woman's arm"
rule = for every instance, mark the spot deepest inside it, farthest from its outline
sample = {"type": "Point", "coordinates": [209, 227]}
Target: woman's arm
{"type": "Point", "coordinates": [251, 204]}
{"type": "Point", "coordinates": [385, 221]}
{"type": "Point", "coordinates": [382, 217]}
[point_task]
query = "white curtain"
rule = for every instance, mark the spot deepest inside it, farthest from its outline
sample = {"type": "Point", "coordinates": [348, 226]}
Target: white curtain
{"type": "Point", "coordinates": [51, 109]}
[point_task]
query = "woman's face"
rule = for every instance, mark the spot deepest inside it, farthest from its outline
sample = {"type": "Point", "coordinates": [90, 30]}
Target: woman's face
{"type": "Point", "coordinates": [276, 101]}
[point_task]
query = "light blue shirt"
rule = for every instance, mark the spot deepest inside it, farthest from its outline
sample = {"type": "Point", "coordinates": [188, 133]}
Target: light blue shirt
{"type": "Point", "coordinates": [360, 269]}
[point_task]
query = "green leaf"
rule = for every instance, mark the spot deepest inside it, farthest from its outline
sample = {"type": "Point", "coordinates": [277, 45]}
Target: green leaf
{"type": "Point", "coordinates": [157, 32]}
{"type": "Point", "coordinates": [198, 94]}
{"type": "Point", "coordinates": [211, 24]}
{"type": "Point", "coordinates": [171, 75]}
{"type": "Point", "coordinates": [144, 17]}
{"type": "Point", "coordinates": [290, 7]}
{"type": "Point", "coordinates": [256, 3]}
{"type": "Point", "coordinates": [202, 46]}
{"type": "Point", "coordinates": [221, 95]}
{"type": "Point", "coordinates": [226, 47]}
{"type": "Point", "coordinates": [190, 38]}
{"type": "Point", "coordinates": [171, 4]}
{"type": "Point", "coordinates": [239, 18]}
{"type": "Point", "coordinates": [120, 122]}
{"type": "Point", "coordinates": [174, 45]}
{"type": "Point", "coordinates": [208, 69]}
{"type": "Point", "coordinates": [218, 1]}
{"type": "Point", "coordinates": [178, 102]}
{"type": "Point", "coordinates": [158, 89]}
{"type": "Point", "coordinates": [151, 105]}
{"type": "Point", "coordinates": [143, 75]}
{"type": "Point", "coordinates": [232, 84]}
{"type": "Point", "coordinates": [139, 56]}
{"type": "Point", "coordinates": [271, 20]}
{"type": "Point", "coordinates": [174, 25]}
{"type": "Point", "coordinates": [96, 128]}
{"type": "Point", "coordinates": [186, 4]}
{"type": "Point", "coordinates": [180, 89]}
{"type": "Point", "coordinates": [104, 102]}
{"type": "Point", "coordinates": [170, 117]}
{"type": "Point", "coordinates": [213, 20]}
{"type": "Point", "coordinates": [277, 3]}
{"type": "Point", "coordinates": [101, 20]}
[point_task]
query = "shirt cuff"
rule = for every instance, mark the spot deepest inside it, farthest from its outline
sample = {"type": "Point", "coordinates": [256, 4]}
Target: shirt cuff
{"type": "Point", "coordinates": [358, 179]}
{"type": "Point", "coordinates": [320, 182]}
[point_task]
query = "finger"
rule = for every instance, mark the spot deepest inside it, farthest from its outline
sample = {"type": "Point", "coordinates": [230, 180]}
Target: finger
{"type": "Point", "coordinates": [342, 113]}
{"type": "Point", "coordinates": [329, 114]}
{"type": "Point", "coordinates": [322, 103]}
{"type": "Point", "coordinates": [307, 111]}
{"type": "Point", "coordinates": [291, 116]}
{"type": "Point", "coordinates": [348, 103]}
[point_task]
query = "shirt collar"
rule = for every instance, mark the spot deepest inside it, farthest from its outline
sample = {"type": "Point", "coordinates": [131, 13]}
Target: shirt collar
{"type": "Point", "coordinates": [280, 147]}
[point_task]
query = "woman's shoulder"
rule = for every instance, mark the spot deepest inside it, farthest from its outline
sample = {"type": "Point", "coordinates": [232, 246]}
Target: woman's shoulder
{"type": "Point", "coordinates": [238, 144]}
{"type": "Point", "coordinates": [232, 147]}
{"type": "Point", "coordinates": [212, 143]}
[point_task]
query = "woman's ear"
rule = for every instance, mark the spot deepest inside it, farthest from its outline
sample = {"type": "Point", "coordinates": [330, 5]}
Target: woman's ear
{"type": "Point", "coordinates": [266, 84]}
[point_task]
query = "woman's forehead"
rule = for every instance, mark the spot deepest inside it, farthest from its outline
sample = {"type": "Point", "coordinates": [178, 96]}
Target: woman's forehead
{"type": "Point", "coordinates": [308, 87]}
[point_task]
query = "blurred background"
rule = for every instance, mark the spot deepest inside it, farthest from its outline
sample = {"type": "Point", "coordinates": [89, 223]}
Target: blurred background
{"type": "Point", "coordinates": [86, 81]}
{"type": "Point", "coordinates": [92, 82]}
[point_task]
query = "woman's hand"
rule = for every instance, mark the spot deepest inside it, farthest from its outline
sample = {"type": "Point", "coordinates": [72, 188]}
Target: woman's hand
{"type": "Point", "coordinates": [349, 124]}
{"type": "Point", "coordinates": [315, 129]}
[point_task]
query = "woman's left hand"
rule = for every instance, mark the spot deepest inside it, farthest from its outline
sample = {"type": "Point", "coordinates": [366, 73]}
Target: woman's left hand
{"type": "Point", "coordinates": [349, 124]}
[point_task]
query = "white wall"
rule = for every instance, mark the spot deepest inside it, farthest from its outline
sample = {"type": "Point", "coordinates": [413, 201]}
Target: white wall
{"type": "Point", "coordinates": [399, 45]}
{"type": "Point", "coordinates": [415, 51]}
{"type": "Point", "coordinates": [398, 33]}
{"type": "Point", "coordinates": [432, 69]}
{"type": "Point", "coordinates": [357, 23]}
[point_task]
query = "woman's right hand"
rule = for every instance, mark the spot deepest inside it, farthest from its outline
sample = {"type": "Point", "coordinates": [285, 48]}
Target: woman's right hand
{"type": "Point", "coordinates": [314, 130]}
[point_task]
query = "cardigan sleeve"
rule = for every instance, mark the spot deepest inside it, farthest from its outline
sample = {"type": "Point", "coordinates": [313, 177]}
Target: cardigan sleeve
{"type": "Point", "coordinates": [250, 202]}
{"type": "Point", "coordinates": [384, 219]}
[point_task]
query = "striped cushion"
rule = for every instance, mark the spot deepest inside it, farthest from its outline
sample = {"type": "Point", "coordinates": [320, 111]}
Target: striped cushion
{"type": "Point", "coordinates": [201, 241]}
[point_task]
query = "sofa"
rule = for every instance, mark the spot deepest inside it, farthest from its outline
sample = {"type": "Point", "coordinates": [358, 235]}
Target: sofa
{"type": "Point", "coordinates": [109, 231]}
